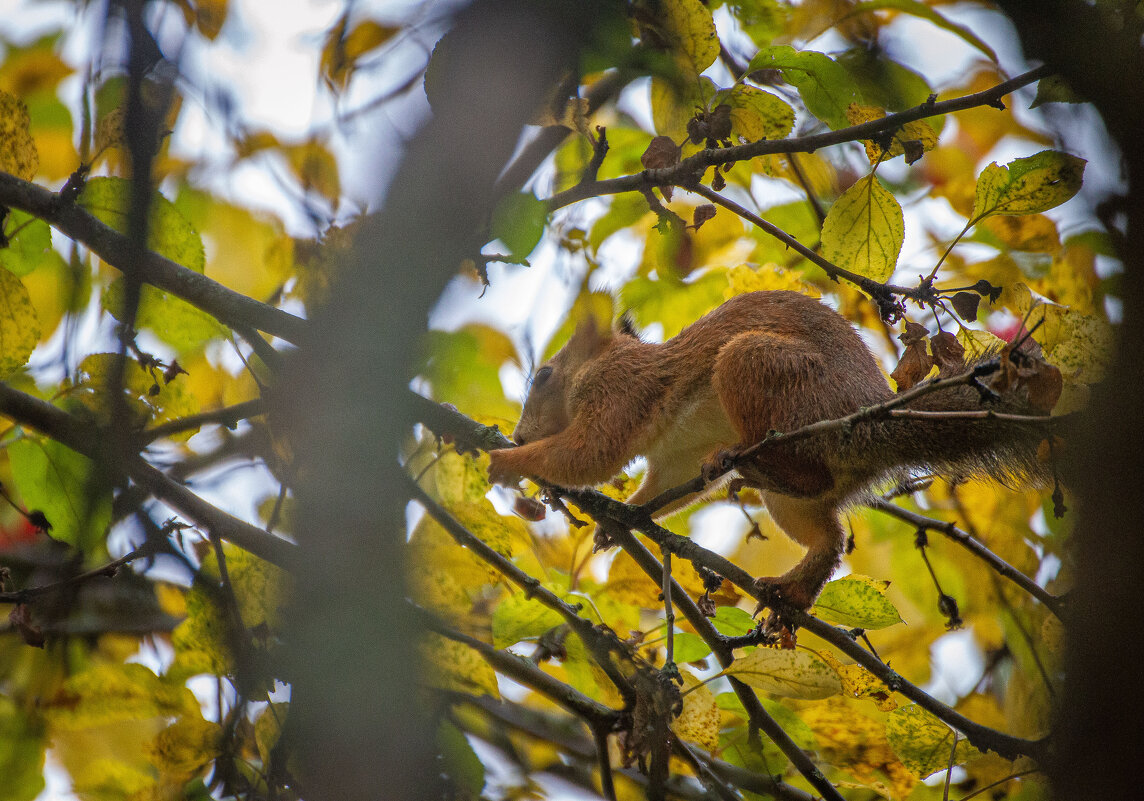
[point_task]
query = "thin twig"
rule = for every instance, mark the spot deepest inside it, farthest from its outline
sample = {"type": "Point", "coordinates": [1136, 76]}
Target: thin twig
{"type": "Point", "coordinates": [689, 170]}
{"type": "Point", "coordinates": [974, 546]}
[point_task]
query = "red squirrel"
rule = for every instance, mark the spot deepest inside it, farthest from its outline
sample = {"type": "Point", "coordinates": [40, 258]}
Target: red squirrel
{"type": "Point", "coordinates": [761, 362]}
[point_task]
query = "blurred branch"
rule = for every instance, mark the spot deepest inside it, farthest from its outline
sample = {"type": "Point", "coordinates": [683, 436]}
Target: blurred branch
{"type": "Point", "coordinates": [229, 307]}
{"type": "Point", "coordinates": [84, 438]}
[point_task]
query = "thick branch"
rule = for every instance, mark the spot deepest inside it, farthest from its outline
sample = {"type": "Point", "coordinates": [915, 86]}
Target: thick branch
{"type": "Point", "coordinates": [229, 307]}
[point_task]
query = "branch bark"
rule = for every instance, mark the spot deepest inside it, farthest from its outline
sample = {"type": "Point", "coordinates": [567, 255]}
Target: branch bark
{"type": "Point", "coordinates": [227, 306]}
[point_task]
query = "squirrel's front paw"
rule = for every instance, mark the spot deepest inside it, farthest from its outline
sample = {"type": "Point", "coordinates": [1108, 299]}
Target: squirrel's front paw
{"type": "Point", "coordinates": [500, 471]}
{"type": "Point", "coordinates": [720, 463]}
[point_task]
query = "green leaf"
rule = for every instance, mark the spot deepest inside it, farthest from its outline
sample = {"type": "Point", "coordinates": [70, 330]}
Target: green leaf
{"type": "Point", "coordinates": [756, 114]}
{"type": "Point", "coordinates": [168, 232]}
{"type": "Point", "coordinates": [518, 222]}
{"type": "Point", "coordinates": [787, 718]}
{"type": "Point", "coordinates": [919, 9]}
{"type": "Point", "coordinates": [1054, 89]}
{"type": "Point", "coordinates": [175, 321]}
{"type": "Point", "coordinates": [732, 621]}
{"type": "Point", "coordinates": [672, 304]}
{"type": "Point", "coordinates": [61, 484]}
{"type": "Point", "coordinates": [625, 210]}
{"type": "Point", "coordinates": [1027, 185]}
{"type": "Point", "coordinates": [519, 617]}
{"type": "Point", "coordinates": [460, 762]}
{"type": "Point", "coordinates": [463, 368]}
{"type": "Point", "coordinates": [789, 673]}
{"type": "Point", "coordinates": [689, 647]}
{"type": "Point", "coordinates": [181, 325]}
{"type": "Point", "coordinates": [885, 83]}
{"type": "Point", "coordinates": [864, 230]}
{"type": "Point", "coordinates": [857, 601]}
{"type": "Point", "coordinates": [625, 146]}
{"type": "Point", "coordinates": [825, 86]}
{"type": "Point", "coordinates": [923, 742]}
{"type": "Point", "coordinates": [19, 325]}
{"type": "Point", "coordinates": [29, 242]}
{"type": "Point", "coordinates": [21, 754]}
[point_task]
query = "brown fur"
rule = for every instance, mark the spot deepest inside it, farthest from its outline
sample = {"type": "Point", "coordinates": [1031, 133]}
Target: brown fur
{"type": "Point", "coordinates": [762, 361]}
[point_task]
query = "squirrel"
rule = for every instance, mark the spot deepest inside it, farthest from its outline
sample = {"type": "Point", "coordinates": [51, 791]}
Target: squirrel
{"type": "Point", "coordinates": [761, 362]}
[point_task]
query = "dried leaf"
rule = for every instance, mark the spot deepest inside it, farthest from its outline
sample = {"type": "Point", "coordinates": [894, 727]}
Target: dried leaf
{"type": "Point", "coordinates": [948, 353]}
{"type": "Point", "coordinates": [702, 214]}
{"type": "Point", "coordinates": [661, 152]}
{"type": "Point", "coordinates": [965, 304]}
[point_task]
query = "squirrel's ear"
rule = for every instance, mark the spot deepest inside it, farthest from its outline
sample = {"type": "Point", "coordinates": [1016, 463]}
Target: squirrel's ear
{"type": "Point", "coordinates": [628, 326]}
{"type": "Point", "coordinates": [589, 338]}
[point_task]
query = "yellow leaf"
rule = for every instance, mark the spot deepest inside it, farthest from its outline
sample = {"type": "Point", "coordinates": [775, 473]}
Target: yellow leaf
{"type": "Point", "coordinates": [249, 252]}
{"type": "Point", "coordinates": [756, 114]}
{"type": "Point", "coordinates": [260, 588]}
{"type": "Point", "coordinates": [747, 278]}
{"type": "Point", "coordinates": [210, 16]}
{"type": "Point", "coordinates": [691, 28]}
{"type": "Point", "coordinates": [19, 326]}
{"type": "Point", "coordinates": [106, 693]}
{"type": "Point", "coordinates": [450, 665]}
{"type": "Point", "coordinates": [858, 745]}
{"type": "Point", "coordinates": [699, 721]}
{"type": "Point", "coordinates": [18, 154]}
{"type": "Point", "coordinates": [788, 673]}
{"type": "Point", "coordinates": [1081, 345]}
{"type": "Point", "coordinates": [182, 750]}
{"type": "Point", "coordinates": [1027, 185]}
{"type": "Point", "coordinates": [343, 48]}
{"type": "Point", "coordinates": [1034, 233]}
{"type": "Point", "coordinates": [316, 169]}
{"type": "Point", "coordinates": [858, 682]}
{"type": "Point", "coordinates": [864, 230]}
{"type": "Point", "coordinates": [150, 398]}
{"type": "Point", "coordinates": [923, 742]}
{"type": "Point", "coordinates": [674, 103]}
{"type": "Point", "coordinates": [919, 131]}
{"type": "Point", "coordinates": [110, 131]}
{"type": "Point", "coordinates": [268, 728]}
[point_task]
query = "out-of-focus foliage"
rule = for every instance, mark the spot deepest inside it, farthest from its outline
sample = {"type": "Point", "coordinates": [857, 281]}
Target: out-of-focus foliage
{"type": "Point", "coordinates": [99, 672]}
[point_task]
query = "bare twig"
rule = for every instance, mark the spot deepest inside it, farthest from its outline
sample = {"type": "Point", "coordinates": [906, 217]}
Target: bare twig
{"type": "Point", "coordinates": [977, 548]}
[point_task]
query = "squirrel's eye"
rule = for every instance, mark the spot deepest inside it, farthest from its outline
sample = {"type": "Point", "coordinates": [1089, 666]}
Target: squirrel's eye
{"type": "Point", "coordinates": [541, 376]}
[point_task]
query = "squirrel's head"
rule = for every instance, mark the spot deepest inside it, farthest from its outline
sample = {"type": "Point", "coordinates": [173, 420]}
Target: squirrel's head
{"type": "Point", "coordinates": [547, 410]}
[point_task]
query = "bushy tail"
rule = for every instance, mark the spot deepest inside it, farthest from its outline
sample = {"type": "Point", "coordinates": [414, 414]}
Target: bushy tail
{"type": "Point", "coordinates": [984, 428]}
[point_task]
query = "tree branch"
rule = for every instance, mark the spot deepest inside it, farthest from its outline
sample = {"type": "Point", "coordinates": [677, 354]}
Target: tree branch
{"type": "Point", "coordinates": [977, 548]}
{"type": "Point", "coordinates": [229, 307]}
{"type": "Point", "coordinates": [692, 168]}
{"type": "Point", "coordinates": [602, 508]}
{"type": "Point", "coordinates": [600, 644]}
{"type": "Point", "coordinates": [90, 441]}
